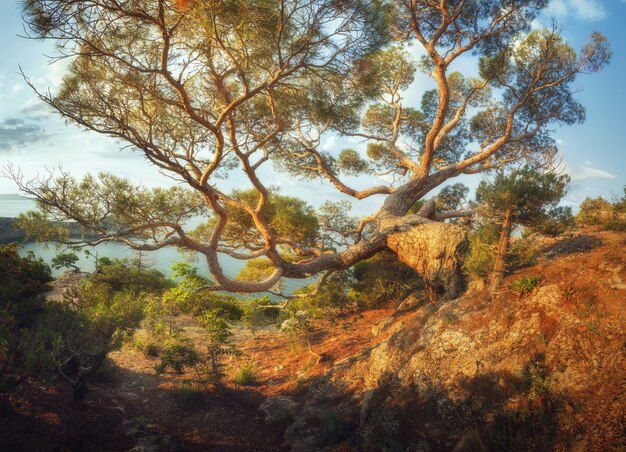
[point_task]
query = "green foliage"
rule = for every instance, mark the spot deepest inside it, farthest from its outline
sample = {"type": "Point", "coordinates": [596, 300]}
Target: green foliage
{"type": "Point", "coordinates": [256, 270]}
{"type": "Point", "coordinates": [178, 355]}
{"type": "Point", "coordinates": [188, 297]}
{"type": "Point", "coordinates": [218, 328]}
{"type": "Point", "coordinates": [530, 193]}
{"type": "Point", "coordinates": [350, 162]}
{"type": "Point", "coordinates": [108, 202]}
{"type": "Point", "coordinates": [127, 275]}
{"type": "Point", "coordinates": [33, 333]}
{"type": "Point", "coordinates": [116, 299]}
{"type": "Point", "coordinates": [325, 303]}
{"type": "Point", "coordinates": [96, 314]}
{"type": "Point", "coordinates": [593, 211]}
{"type": "Point", "coordinates": [298, 325]}
{"type": "Point", "coordinates": [523, 252]}
{"type": "Point", "coordinates": [555, 221]}
{"type": "Point", "coordinates": [246, 376]}
{"type": "Point", "coordinates": [21, 277]}
{"type": "Point", "coordinates": [254, 315]}
{"type": "Point", "coordinates": [452, 197]}
{"type": "Point", "coordinates": [526, 285]}
{"type": "Point", "coordinates": [380, 279]}
{"type": "Point", "coordinates": [599, 211]}
{"type": "Point", "coordinates": [65, 260]}
{"type": "Point", "coordinates": [289, 217]}
{"type": "Point", "coordinates": [480, 257]}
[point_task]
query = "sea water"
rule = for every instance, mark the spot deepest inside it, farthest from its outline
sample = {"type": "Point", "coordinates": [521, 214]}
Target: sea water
{"type": "Point", "coordinates": [162, 260]}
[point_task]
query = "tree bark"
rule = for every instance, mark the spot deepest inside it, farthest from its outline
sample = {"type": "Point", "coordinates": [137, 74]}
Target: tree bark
{"type": "Point", "coordinates": [498, 268]}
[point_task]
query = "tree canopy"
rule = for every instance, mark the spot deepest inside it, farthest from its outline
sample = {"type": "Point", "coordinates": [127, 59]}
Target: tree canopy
{"type": "Point", "coordinates": [213, 89]}
{"type": "Point", "coordinates": [524, 196]}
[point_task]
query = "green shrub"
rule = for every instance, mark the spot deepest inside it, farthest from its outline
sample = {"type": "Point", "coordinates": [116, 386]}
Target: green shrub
{"type": "Point", "coordinates": [616, 224]}
{"type": "Point", "coordinates": [124, 275]}
{"type": "Point", "coordinates": [246, 376]}
{"type": "Point", "coordinates": [481, 253]}
{"type": "Point", "coordinates": [380, 279]}
{"type": "Point", "coordinates": [178, 355]}
{"type": "Point", "coordinates": [599, 211]}
{"type": "Point", "coordinates": [526, 285]}
{"type": "Point", "coordinates": [297, 325]}
{"type": "Point", "coordinates": [593, 211]}
{"type": "Point", "coordinates": [558, 221]}
{"type": "Point", "coordinates": [523, 252]}
{"type": "Point", "coordinates": [218, 327]}
{"type": "Point", "coordinates": [29, 347]}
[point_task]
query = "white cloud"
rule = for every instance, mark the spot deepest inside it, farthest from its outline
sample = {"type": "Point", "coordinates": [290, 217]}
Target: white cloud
{"type": "Point", "coordinates": [329, 144]}
{"type": "Point", "coordinates": [585, 10]}
{"type": "Point", "coordinates": [17, 87]}
{"type": "Point", "coordinates": [587, 172]}
{"type": "Point", "coordinates": [589, 10]}
{"type": "Point", "coordinates": [558, 8]}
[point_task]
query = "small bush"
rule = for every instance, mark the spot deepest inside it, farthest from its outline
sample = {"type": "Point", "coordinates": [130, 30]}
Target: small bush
{"type": "Point", "coordinates": [480, 257]}
{"type": "Point", "coordinates": [380, 279]}
{"type": "Point", "coordinates": [246, 376]}
{"type": "Point", "coordinates": [177, 356]}
{"type": "Point", "coordinates": [522, 253]}
{"type": "Point", "coordinates": [599, 211]}
{"type": "Point", "coordinates": [525, 286]}
{"type": "Point", "coordinates": [556, 222]}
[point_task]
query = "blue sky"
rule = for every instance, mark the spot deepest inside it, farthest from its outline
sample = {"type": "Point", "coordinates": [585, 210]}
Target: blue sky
{"type": "Point", "coordinates": [36, 140]}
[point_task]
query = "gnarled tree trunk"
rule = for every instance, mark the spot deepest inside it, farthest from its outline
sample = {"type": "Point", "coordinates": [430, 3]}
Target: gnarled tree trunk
{"type": "Point", "coordinates": [435, 251]}
{"type": "Point", "coordinates": [498, 268]}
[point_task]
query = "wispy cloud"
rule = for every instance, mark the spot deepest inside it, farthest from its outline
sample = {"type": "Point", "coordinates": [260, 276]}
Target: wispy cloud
{"type": "Point", "coordinates": [587, 172]}
{"type": "Point", "coordinates": [36, 109]}
{"type": "Point", "coordinates": [15, 133]}
{"type": "Point", "coordinates": [585, 10]}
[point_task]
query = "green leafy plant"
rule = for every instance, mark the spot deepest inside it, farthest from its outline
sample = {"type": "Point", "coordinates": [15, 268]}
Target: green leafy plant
{"type": "Point", "coordinates": [246, 376]}
{"type": "Point", "coordinates": [218, 327]}
{"type": "Point", "coordinates": [526, 285]}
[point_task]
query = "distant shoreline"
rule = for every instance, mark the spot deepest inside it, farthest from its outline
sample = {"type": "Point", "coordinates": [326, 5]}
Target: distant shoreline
{"type": "Point", "coordinates": [10, 234]}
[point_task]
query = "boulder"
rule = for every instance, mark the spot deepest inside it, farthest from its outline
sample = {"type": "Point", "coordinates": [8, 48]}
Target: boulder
{"type": "Point", "coordinates": [278, 409]}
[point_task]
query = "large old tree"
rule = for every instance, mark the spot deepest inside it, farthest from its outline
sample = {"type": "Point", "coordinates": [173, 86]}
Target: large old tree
{"type": "Point", "coordinates": [209, 89]}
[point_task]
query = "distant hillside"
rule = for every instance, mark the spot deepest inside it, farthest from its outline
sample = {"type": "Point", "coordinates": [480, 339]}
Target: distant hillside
{"type": "Point", "coordinates": [8, 233]}
{"type": "Point", "coordinates": [12, 197]}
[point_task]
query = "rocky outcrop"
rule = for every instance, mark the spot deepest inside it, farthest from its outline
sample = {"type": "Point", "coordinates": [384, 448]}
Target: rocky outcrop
{"type": "Point", "coordinates": [278, 409]}
{"type": "Point", "coordinates": [478, 374]}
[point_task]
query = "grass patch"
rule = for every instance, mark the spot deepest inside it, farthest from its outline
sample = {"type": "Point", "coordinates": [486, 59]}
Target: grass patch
{"type": "Point", "coordinates": [246, 376]}
{"type": "Point", "coordinates": [525, 286]}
